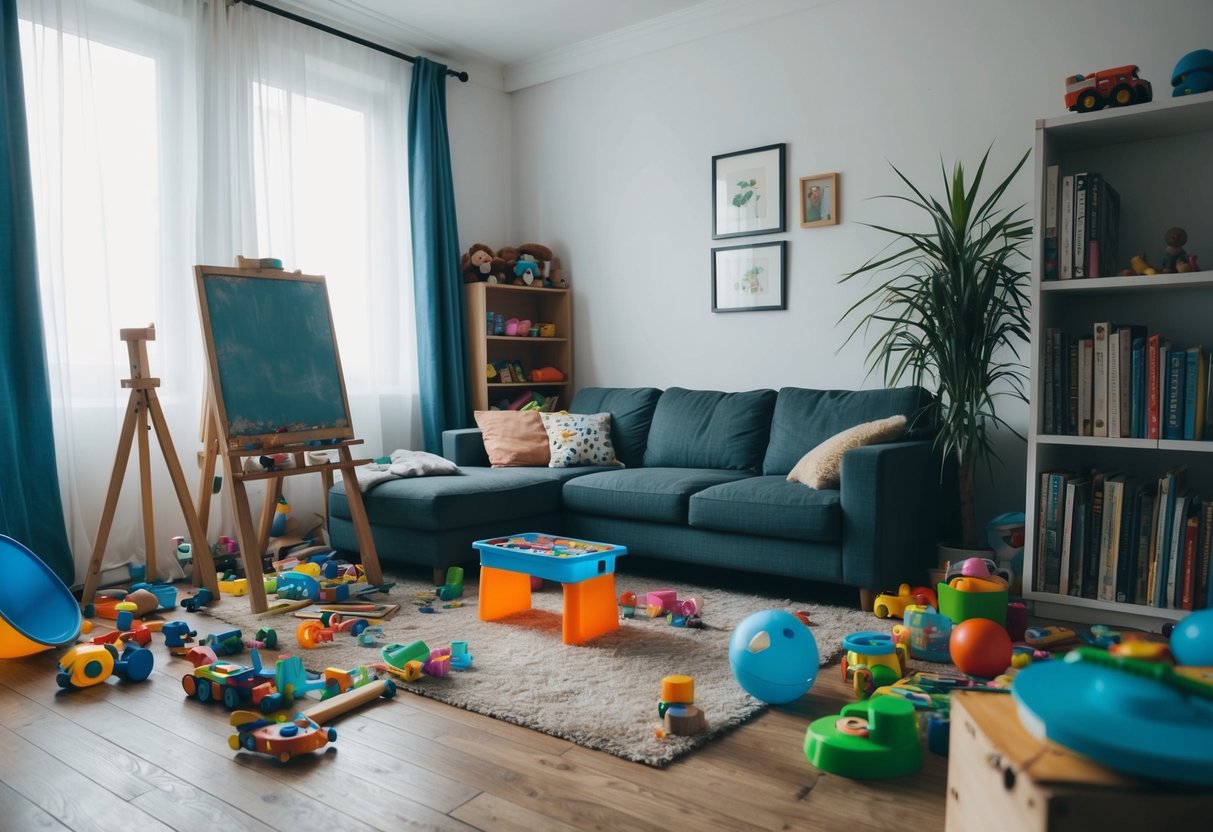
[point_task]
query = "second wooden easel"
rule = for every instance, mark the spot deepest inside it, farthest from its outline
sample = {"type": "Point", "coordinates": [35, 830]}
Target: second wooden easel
{"type": "Point", "coordinates": [142, 406]}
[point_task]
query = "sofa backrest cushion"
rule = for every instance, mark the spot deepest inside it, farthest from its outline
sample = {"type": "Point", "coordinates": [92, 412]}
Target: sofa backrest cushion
{"type": "Point", "coordinates": [710, 429]}
{"type": "Point", "coordinates": [631, 410]}
{"type": "Point", "coordinates": [805, 418]}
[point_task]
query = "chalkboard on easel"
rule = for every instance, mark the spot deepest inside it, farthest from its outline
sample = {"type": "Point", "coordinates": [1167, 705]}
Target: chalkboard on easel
{"type": "Point", "coordinates": [272, 352]}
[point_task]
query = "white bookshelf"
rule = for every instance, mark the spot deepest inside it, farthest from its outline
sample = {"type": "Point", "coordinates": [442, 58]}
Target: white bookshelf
{"type": "Point", "coordinates": [1159, 156]}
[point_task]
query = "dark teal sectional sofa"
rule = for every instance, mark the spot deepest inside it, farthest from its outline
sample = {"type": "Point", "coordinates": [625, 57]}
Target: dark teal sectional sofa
{"type": "Point", "coordinates": [704, 483]}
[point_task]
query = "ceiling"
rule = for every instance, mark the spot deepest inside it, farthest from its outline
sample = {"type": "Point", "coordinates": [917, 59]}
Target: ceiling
{"type": "Point", "coordinates": [494, 32]}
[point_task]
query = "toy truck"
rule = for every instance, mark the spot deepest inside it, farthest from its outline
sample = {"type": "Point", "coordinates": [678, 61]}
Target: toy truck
{"type": "Point", "coordinates": [1116, 87]}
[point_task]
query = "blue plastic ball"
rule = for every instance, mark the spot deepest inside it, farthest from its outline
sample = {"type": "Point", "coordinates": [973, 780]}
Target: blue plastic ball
{"type": "Point", "coordinates": [774, 656]}
{"type": "Point", "coordinates": [1192, 639]}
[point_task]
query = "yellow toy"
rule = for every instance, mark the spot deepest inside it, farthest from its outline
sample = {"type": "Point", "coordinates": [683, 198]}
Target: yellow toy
{"type": "Point", "coordinates": [875, 659]}
{"type": "Point", "coordinates": [1139, 265]}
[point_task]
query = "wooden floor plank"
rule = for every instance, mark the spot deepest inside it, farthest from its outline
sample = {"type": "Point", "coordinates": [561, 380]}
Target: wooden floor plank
{"type": "Point", "coordinates": [495, 814]}
{"type": "Point", "coordinates": [19, 813]}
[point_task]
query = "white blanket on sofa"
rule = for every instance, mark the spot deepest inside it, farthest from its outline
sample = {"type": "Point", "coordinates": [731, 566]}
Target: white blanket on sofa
{"type": "Point", "coordinates": [405, 463]}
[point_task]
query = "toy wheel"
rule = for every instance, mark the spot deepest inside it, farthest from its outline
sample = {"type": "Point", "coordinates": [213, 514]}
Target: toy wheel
{"type": "Point", "coordinates": [267, 637]}
{"type": "Point", "coordinates": [271, 703]}
{"type": "Point", "coordinates": [231, 698]}
{"type": "Point", "coordinates": [248, 742]}
{"type": "Point", "coordinates": [284, 757]}
{"type": "Point", "coordinates": [63, 680]}
{"type": "Point", "coordinates": [881, 611]}
{"type": "Point", "coordinates": [1087, 102]}
{"type": "Point", "coordinates": [332, 734]}
{"type": "Point", "coordinates": [233, 742]}
{"type": "Point", "coordinates": [359, 625]}
{"type": "Point", "coordinates": [190, 684]}
{"type": "Point", "coordinates": [863, 683]}
{"type": "Point", "coordinates": [138, 665]}
{"type": "Point", "coordinates": [389, 689]}
{"type": "Point", "coordinates": [1122, 95]}
{"type": "Point", "coordinates": [307, 633]}
{"type": "Point", "coordinates": [204, 693]}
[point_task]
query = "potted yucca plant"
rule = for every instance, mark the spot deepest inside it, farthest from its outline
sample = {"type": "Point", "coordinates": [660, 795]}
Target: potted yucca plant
{"type": "Point", "coordinates": [950, 312]}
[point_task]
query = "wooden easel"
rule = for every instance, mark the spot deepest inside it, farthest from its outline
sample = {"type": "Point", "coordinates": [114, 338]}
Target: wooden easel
{"type": "Point", "coordinates": [241, 319]}
{"type": "Point", "coordinates": [144, 404]}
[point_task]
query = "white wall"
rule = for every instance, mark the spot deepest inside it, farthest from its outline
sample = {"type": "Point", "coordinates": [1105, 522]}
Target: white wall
{"type": "Point", "coordinates": [611, 168]}
{"type": "Point", "coordinates": [478, 124]}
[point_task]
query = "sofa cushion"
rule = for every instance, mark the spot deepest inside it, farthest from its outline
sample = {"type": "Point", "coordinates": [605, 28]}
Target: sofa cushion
{"type": "Point", "coordinates": [513, 438]}
{"type": "Point", "coordinates": [709, 429]}
{"type": "Point", "coordinates": [805, 418]}
{"type": "Point", "coordinates": [770, 507]}
{"type": "Point", "coordinates": [631, 410]}
{"type": "Point", "coordinates": [822, 466]}
{"type": "Point", "coordinates": [659, 495]}
{"type": "Point", "coordinates": [476, 495]}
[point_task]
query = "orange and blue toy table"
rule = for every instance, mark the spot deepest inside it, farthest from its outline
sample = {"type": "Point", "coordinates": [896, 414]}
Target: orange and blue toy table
{"type": "Point", "coordinates": [585, 568]}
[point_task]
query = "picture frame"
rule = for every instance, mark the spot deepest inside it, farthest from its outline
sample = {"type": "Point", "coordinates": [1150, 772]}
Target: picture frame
{"type": "Point", "coordinates": [819, 200]}
{"type": "Point", "coordinates": [748, 192]}
{"type": "Point", "coordinates": [750, 278]}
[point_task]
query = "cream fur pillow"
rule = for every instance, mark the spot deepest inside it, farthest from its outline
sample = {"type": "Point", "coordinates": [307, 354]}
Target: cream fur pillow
{"type": "Point", "coordinates": [821, 467]}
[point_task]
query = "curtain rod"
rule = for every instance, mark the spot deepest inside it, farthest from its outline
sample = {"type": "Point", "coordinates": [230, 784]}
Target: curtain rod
{"type": "Point", "coordinates": [462, 76]}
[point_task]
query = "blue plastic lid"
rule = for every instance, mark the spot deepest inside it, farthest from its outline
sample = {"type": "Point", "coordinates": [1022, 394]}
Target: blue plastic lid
{"type": "Point", "coordinates": [1128, 723]}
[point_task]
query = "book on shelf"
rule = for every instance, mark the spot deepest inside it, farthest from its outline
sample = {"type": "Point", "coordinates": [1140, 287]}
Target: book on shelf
{"type": "Point", "coordinates": [1053, 530]}
{"type": "Point", "coordinates": [1126, 551]}
{"type": "Point", "coordinates": [1137, 389]}
{"type": "Point", "coordinates": [1072, 389]}
{"type": "Point", "coordinates": [1175, 551]}
{"type": "Point", "coordinates": [1109, 538]}
{"type": "Point", "coordinates": [1109, 243]}
{"type": "Point", "coordinates": [1073, 538]}
{"type": "Point", "coordinates": [1205, 590]}
{"type": "Point", "coordinates": [1091, 563]}
{"type": "Point", "coordinates": [1046, 358]}
{"type": "Point", "coordinates": [1127, 334]}
{"type": "Point", "coordinates": [1099, 379]}
{"type": "Point", "coordinates": [1153, 345]}
{"type": "Point", "coordinates": [1113, 383]}
{"type": "Point", "coordinates": [1169, 486]}
{"type": "Point", "coordinates": [1145, 528]}
{"type": "Point", "coordinates": [1059, 358]}
{"type": "Point", "coordinates": [1187, 595]}
{"type": "Point", "coordinates": [1195, 389]}
{"type": "Point", "coordinates": [1085, 374]}
{"type": "Point", "coordinates": [1208, 398]}
{"type": "Point", "coordinates": [1093, 233]}
{"type": "Point", "coordinates": [1066, 252]}
{"type": "Point", "coordinates": [1080, 225]}
{"type": "Point", "coordinates": [1052, 198]}
{"type": "Point", "coordinates": [1164, 349]}
{"type": "Point", "coordinates": [1177, 366]}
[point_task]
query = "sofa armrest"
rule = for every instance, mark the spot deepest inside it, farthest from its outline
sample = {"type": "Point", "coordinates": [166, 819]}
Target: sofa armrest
{"type": "Point", "coordinates": [891, 513]}
{"type": "Point", "coordinates": [465, 446]}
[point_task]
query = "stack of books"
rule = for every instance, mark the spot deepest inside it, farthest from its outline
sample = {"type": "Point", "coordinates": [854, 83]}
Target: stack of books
{"type": "Point", "coordinates": [1082, 226]}
{"type": "Point", "coordinates": [1108, 535]}
{"type": "Point", "coordinates": [1122, 381]}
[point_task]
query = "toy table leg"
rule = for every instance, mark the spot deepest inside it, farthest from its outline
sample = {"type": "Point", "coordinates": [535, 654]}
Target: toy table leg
{"type": "Point", "coordinates": [503, 593]}
{"type": "Point", "coordinates": [589, 609]}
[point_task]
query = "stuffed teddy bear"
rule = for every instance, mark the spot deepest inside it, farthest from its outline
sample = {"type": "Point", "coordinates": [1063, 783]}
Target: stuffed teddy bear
{"type": "Point", "coordinates": [479, 264]}
{"type": "Point", "coordinates": [508, 255]}
{"type": "Point", "coordinates": [532, 265]}
{"type": "Point", "coordinates": [557, 277]}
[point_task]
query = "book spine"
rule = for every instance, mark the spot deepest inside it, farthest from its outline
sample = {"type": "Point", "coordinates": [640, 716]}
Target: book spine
{"type": "Point", "coordinates": [1201, 414]}
{"type": "Point", "coordinates": [1192, 360]}
{"type": "Point", "coordinates": [1067, 536]}
{"type": "Point", "coordinates": [1206, 554]}
{"type": "Point", "coordinates": [1042, 510]}
{"type": "Point", "coordinates": [1125, 368]}
{"type": "Point", "coordinates": [1099, 384]}
{"type": "Point", "coordinates": [1046, 357]}
{"type": "Point", "coordinates": [1059, 381]}
{"type": "Point", "coordinates": [1175, 553]}
{"type": "Point", "coordinates": [1085, 358]}
{"type": "Point", "coordinates": [1090, 577]}
{"type": "Point", "coordinates": [1072, 390]}
{"type": "Point", "coordinates": [1052, 197]}
{"type": "Point", "coordinates": [1191, 532]}
{"type": "Point", "coordinates": [1152, 346]}
{"type": "Point", "coordinates": [1144, 534]}
{"type": "Point", "coordinates": [1080, 225]}
{"type": "Point", "coordinates": [1093, 233]}
{"type": "Point", "coordinates": [1137, 389]}
{"type": "Point", "coordinates": [1156, 537]}
{"type": "Point", "coordinates": [1053, 533]}
{"type": "Point", "coordinates": [1126, 563]}
{"type": "Point", "coordinates": [1177, 364]}
{"type": "Point", "coordinates": [1082, 526]}
{"type": "Point", "coordinates": [1109, 541]}
{"type": "Point", "coordinates": [1114, 419]}
{"type": "Point", "coordinates": [1066, 244]}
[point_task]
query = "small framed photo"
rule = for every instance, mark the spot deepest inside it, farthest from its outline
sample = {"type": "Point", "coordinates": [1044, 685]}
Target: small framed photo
{"type": "Point", "coordinates": [819, 200]}
{"type": "Point", "coordinates": [749, 278]}
{"type": "Point", "coordinates": [747, 192]}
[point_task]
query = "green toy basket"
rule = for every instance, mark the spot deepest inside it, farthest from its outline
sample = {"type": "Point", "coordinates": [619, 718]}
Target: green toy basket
{"type": "Point", "coordinates": [961, 606]}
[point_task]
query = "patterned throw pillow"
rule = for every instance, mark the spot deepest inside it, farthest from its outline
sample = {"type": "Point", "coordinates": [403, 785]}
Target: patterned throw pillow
{"type": "Point", "coordinates": [579, 439]}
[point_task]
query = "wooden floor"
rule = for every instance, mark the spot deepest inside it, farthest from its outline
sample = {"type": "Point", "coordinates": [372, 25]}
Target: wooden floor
{"type": "Point", "coordinates": [143, 757]}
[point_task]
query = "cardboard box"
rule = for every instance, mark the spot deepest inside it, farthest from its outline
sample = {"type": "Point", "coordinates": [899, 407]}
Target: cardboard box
{"type": "Point", "coordinates": [1001, 777]}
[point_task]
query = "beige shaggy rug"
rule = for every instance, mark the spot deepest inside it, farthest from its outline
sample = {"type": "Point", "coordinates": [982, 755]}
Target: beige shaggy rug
{"type": "Point", "coordinates": [602, 695]}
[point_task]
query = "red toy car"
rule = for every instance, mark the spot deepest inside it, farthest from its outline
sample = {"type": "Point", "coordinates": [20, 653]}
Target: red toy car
{"type": "Point", "coordinates": [1116, 87]}
{"type": "Point", "coordinates": [283, 740]}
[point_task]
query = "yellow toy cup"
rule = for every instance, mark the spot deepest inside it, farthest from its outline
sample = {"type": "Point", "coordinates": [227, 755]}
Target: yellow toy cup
{"type": "Point", "coordinates": [37, 610]}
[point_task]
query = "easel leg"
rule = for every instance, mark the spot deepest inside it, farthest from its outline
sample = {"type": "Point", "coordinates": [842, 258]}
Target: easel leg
{"type": "Point", "coordinates": [362, 526]}
{"type": "Point", "coordinates": [199, 546]}
{"type": "Point", "coordinates": [273, 491]}
{"type": "Point", "coordinates": [145, 489]}
{"type": "Point", "coordinates": [206, 483]}
{"type": "Point", "coordinates": [247, 536]}
{"type": "Point", "coordinates": [93, 577]}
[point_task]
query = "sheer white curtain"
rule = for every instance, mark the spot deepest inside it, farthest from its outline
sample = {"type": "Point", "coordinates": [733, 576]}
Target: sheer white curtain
{"type": "Point", "coordinates": [165, 133]}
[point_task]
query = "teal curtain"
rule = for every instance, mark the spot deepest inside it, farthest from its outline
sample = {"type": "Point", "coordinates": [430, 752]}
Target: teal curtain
{"type": "Point", "coordinates": [437, 281]}
{"type": "Point", "coordinates": [30, 508]}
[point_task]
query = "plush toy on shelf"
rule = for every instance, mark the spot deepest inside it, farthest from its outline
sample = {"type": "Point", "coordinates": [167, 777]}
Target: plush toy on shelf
{"type": "Point", "coordinates": [479, 264]}
{"type": "Point", "coordinates": [532, 265]}
{"type": "Point", "coordinates": [508, 255]}
{"type": "Point", "coordinates": [1139, 265]}
{"type": "Point", "coordinates": [1175, 259]}
{"type": "Point", "coordinates": [1193, 73]}
{"type": "Point", "coordinates": [557, 277]}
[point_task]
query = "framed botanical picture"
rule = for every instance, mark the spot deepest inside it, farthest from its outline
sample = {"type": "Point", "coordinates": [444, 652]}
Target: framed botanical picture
{"type": "Point", "coordinates": [747, 192]}
{"type": "Point", "coordinates": [819, 200]}
{"type": "Point", "coordinates": [749, 278]}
